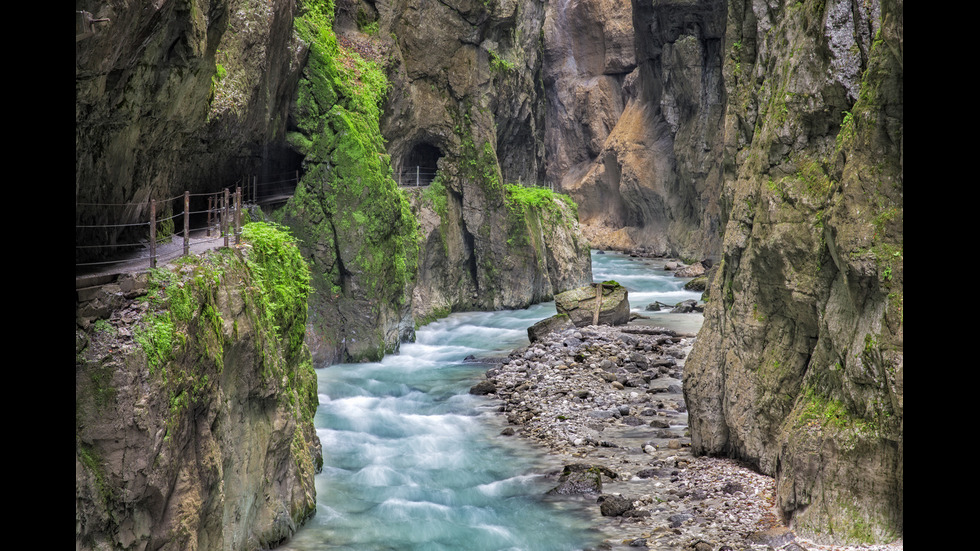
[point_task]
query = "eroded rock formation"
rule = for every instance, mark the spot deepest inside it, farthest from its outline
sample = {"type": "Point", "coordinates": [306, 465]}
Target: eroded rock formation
{"type": "Point", "coordinates": [635, 100]}
{"type": "Point", "coordinates": [799, 366]}
{"type": "Point", "coordinates": [763, 135]}
{"type": "Point", "coordinates": [194, 404]}
{"type": "Point", "coordinates": [466, 100]}
{"type": "Point", "coordinates": [192, 96]}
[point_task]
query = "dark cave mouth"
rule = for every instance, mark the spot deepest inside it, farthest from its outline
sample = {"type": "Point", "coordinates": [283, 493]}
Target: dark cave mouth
{"type": "Point", "coordinates": [419, 166]}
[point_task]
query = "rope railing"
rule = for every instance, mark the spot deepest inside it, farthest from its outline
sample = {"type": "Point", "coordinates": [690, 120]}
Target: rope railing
{"type": "Point", "coordinates": [276, 189]}
{"type": "Point", "coordinates": [416, 176]}
{"type": "Point", "coordinates": [223, 216]}
{"type": "Point", "coordinates": [137, 223]}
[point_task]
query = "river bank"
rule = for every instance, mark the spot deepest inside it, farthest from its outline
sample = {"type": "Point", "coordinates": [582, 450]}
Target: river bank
{"type": "Point", "coordinates": [609, 401]}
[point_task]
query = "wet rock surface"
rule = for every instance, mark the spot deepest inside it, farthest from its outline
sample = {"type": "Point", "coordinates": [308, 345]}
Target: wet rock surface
{"type": "Point", "coordinates": [607, 404]}
{"type": "Point", "coordinates": [600, 303]}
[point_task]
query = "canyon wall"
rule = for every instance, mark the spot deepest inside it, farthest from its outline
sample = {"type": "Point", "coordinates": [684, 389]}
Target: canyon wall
{"type": "Point", "coordinates": [194, 95]}
{"type": "Point", "coordinates": [539, 253]}
{"type": "Point", "coordinates": [465, 103]}
{"type": "Point", "coordinates": [194, 404]}
{"type": "Point", "coordinates": [764, 135]}
{"type": "Point", "coordinates": [633, 127]}
{"type": "Point", "coordinates": [798, 369]}
{"type": "Point", "coordinates": [173, 97]}
{"type": "Point", "coordinates": [391, 87]}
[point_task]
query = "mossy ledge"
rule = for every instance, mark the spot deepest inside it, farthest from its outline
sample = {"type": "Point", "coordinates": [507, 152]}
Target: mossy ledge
{"type": "Point", "coordinates": [194, 405]}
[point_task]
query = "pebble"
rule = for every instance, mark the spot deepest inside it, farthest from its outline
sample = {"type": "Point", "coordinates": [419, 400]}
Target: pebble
{"type": "Point", "coordinates": [612, 396]}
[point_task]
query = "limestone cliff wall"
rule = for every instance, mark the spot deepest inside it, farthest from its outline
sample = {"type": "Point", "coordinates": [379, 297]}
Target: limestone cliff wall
{"type": "Point", "coordinates": [635, 98]}
{"type": "Point", "coordinates": [542, 253]}
{"type": "Point", "coordinates": [193, 95]}
{"type": "Point", "coordinates": [175, 96]}
{"type": "Point", "coordinates": [466, 100]}
{"type": "Point", "coordinates": [194, 404]}
{"type": "Point", "coordinates": [799, 366]}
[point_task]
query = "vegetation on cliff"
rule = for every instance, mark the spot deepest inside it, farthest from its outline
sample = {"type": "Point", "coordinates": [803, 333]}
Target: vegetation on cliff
{"type": "Point", "coordinates": [534, 211]}
{"type": "Point", "coordinates": [191, 398]}
{"type": "Point", "coordinates": [354, 224]}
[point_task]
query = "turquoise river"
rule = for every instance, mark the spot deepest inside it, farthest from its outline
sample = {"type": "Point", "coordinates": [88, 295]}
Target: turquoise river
{"type": "Point", "coordinates": [412, 461]}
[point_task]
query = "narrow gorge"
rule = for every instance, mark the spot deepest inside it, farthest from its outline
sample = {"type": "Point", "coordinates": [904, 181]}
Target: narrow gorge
{"type": "Point", "coordinates": [463, 156]}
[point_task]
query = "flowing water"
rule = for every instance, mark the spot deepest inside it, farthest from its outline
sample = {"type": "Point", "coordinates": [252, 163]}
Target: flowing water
{"type": "Point", "coordinates": [647, 282]}
{"type": "Point", "coordinates": [412, 461]}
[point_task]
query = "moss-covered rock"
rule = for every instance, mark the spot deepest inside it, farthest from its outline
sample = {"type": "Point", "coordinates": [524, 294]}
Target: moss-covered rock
{"type": "Point", "coordinates": [466, 87]}
{"type": "Point", "coordinates": [605, 303]}
{"type": "Point", "coordinates": [194, 406]}
{"type": "Point", "coordinates": [799, 366]}
{"type": "Point", "coordinates": [355, 226]}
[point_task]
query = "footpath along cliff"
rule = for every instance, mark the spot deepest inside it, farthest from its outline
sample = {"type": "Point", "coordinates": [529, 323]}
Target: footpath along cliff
{"type": "Point", "coordinates": [192, 95]}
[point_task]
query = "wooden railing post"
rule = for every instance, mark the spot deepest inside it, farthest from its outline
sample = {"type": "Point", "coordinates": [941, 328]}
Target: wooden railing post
{"type": "Point", "coordinates": [224, 218]}
{"type": "Point", "coordinates": [238, 216]}
{"type": "Point", "coordinates": [187, 223]}
{"type": "Point", "coordinates": [598, 303]}
{"type": "Point", "coordinates": [153, 234]}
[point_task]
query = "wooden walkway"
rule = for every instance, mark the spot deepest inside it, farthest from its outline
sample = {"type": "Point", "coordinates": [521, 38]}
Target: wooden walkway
{"type": "Point", "coordinates": [219, 224]}
{"type": "Point", "coordinates": [211, 227]}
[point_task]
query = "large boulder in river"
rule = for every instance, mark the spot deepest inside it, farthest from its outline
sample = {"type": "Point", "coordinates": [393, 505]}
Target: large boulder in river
{"type": "Point", "coordinates": [605, 303]}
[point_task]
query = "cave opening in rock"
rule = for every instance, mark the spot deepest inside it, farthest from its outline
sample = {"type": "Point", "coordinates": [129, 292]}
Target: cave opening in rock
{"type": "Point", "coordinates": [418, 167]}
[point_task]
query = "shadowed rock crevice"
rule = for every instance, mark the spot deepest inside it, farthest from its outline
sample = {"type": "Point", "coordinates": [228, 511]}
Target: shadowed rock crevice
{"type": "Point", "coordinates": [634, 121]}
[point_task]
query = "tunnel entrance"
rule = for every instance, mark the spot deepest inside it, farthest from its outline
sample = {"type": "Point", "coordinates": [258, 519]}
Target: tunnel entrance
{"type": "Point", "coordinates": [419, 167]}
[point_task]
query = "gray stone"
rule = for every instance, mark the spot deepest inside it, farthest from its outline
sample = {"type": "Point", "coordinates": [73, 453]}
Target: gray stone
{"type": "Point", "coordinates": [584, 307]}
{"type": "Point", "coordinates": [581, 479]}
{"type": "Point", "coordinates": [614, 506]}
{"type": "Point", "coordinates": [558, 322]}
{"type": "Point", "coordinates": [483, 387]}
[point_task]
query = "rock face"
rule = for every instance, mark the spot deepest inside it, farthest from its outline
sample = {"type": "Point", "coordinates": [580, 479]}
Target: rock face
{"type": "Point", "coordinates": [799, 366]}
{"type": "Point", "coordinates": [633, 131]}
{"type": "Point", "coordinates": [466, 102]}
{"type": "Point", "coordinates": [766, 137]}
{"type": "Point", "coordinates": [194, 404]}
{"type": "Point", "coordinates": [193, 96]}
{"type": "Point", "coordinates": [174, 97]}
{"type": "Point", "coordinates": [355, 225]}
{"type": "Point", "coordinates": [604, 303]}
{"type": "Point", "coordinates": [539, 252]}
